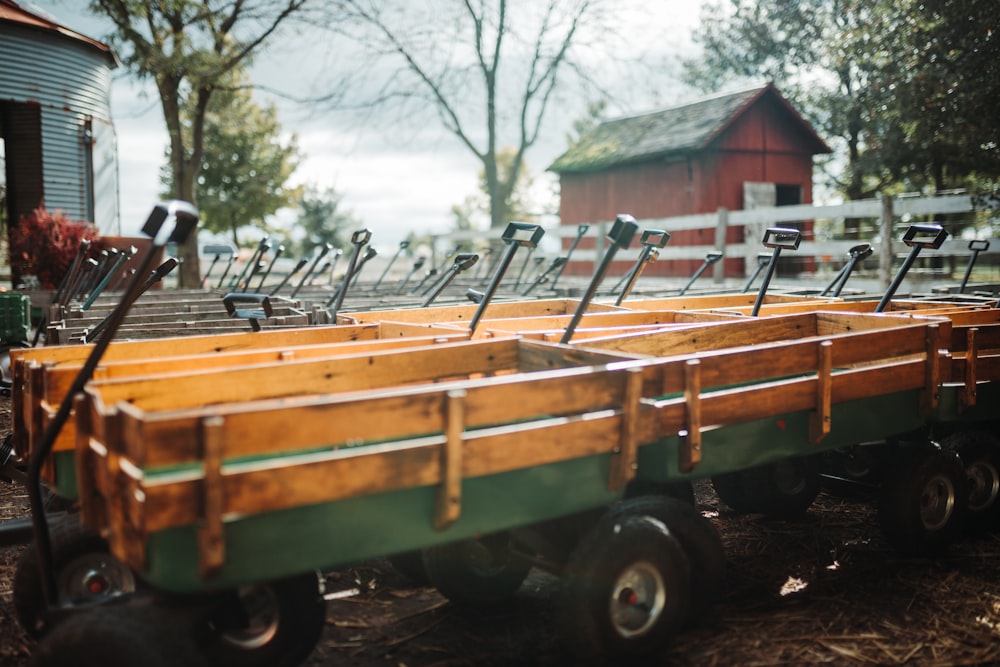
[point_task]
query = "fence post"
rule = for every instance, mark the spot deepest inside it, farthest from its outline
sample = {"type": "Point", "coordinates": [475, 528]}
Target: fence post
{"type": "Point", "coordinates": [721, 226]}
{"type": "Point", "coordinates": [885, 252]}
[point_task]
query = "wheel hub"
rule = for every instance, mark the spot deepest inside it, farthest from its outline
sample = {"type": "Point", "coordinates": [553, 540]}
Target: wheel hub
{"type": "Point", "coordinates": [984, 485]}
{"type": "Point", "coordinates": [95, 575]}
{"type": "Point", "coordinates": [937, 502]}
{"type": "Point", "coordinates": [263, 618]}
{"type": "Point", "coordinates": [638, 599]}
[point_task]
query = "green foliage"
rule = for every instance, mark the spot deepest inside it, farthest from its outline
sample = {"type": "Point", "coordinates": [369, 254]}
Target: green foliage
{"type": "Point", "coordinates": [186, 47]}
{"type": "Point", "coordinates": [245, 164]}
{"type": "Point", "coordinates": [323, 219]}
{"type": "Point", "coordinates": [905, 90]}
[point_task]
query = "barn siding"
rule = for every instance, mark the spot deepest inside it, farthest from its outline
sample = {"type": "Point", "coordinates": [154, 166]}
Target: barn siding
{"type": "Point", "coordinates": [765, 143]}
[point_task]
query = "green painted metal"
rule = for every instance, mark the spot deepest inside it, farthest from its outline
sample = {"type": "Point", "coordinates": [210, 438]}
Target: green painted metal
{"type": "Point", "coordinates": [276, 544]}
{"type": "Point", "coordinates": [740, 446]}
{"type": "Point", "coordinates": [64, 484]}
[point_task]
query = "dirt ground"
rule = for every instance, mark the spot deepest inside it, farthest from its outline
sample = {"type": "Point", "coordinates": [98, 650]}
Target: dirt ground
{"type": "Point", "coordinates": [822, 590]}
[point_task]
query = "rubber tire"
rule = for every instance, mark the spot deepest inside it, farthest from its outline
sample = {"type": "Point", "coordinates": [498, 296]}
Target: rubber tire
{"type": "Point", "coordinates": [699, 538]}
{"type": "Point", "coordinates": [905, 492]}
{"type": "Point", "coordinates": [410, 564]}
{"type": "Point", "coordinates": [767, 487]}
{"type": "Point", "coordinates": [584, 609]}
{"type": "Point", "coordinates": [459, 572]}
{"type": "Point", "coordinates": [683, 491]}
{"type": "Point", "coordinates": [70, 542]}
{"type": "Point", "coordinates": [764, 489]}
{"type": "Point", "coordinates": [980, 454]}
{"type": "Point", "coordinates": [112, 635]}
{"type": "Point", "coordinates": [729, 488]}
{"type": "Point", "coordinates": [300, 617]}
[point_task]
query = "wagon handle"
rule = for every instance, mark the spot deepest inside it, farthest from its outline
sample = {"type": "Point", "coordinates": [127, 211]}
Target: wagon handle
{"type": "Point", "coordinates": [417, 265]}
{"type": "Point", "coordinates": [232, 300]}
{"type": "Point", "coordinates": [620, 236]}
{"type": "Point", "coordinates": [253, 260]}
{"type": "Point", "coordinates": [710, 259]}
{"type": "Point", "coordinates": [463, 261]}
{"type": "Point", "coordinates": [185, 217]}
{"type": "Point", "coordinates": [581, 229]}
{"type": "Point", "coordinates": [652, 240]}
{"type": "Point", "coordinates": [778, 239]}
{"type": "Point", "coordinates": [557, 263]}
{"type": "Point", "coordinates": [516, 234]}
{"type": "Point", "coordinates": [976, 246]}
{"type": "Point", "coordinates": [358, 240]}
{"type": "Point", "coordinates": [854, 255]}
{"type": "Point", "coordinates": [403, 245]}
{"type": "Point", "coordinates": [323, 250]}
{"type": "Point", "coordinates": [370, 253]}
{"type": "Point", "coordinates": [120, 260]}
{"type": "Point", "coordinates": [917, 237]}
{"type": "Point", "coordinates": [298, 267]}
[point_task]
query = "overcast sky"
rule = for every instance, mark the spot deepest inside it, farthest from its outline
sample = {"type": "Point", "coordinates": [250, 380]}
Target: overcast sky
{"type": "Point", "coordinates": [391, 184]}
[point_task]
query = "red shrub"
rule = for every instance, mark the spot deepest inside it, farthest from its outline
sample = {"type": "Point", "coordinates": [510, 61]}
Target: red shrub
{"type": "Point", "coordinates": [44, 244]}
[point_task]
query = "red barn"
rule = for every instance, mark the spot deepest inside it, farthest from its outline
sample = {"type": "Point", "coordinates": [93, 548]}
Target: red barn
{"type": "Point", "coordinates": [690, 159]}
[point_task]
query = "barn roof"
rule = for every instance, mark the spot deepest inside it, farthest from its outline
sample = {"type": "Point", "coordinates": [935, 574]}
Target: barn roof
{"type": "Point", "coordinates": [11, 12]}
{"type": "Point", "coordinates": [669, 132]}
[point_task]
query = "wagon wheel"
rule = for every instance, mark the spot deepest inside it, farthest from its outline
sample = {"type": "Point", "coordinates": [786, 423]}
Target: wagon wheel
{"type": "Point", "coordinates": [272, 624]}
{"type": "Point", "coordinates": [729, 488]}
{"type": "Point", "coordinates": [113, 635]}
{"type": "Point", "coordinates": [642, 487]}
{"type": "Point", "coordinates": [699, 538]}
{"type": "Point", "coordinates": [923, 502]}
{"type": "Point", "coordinates": [784, 489]}
{"type": "Point", "coordinates": [980, 454]}
{"type": "Point", "coordinates": [476, 573]}
{"type": "Point", "coordinates": [625, 590]}
{"type": "Point", "coordinates": [84, 572]}
{"type": "Point", "coordinates": [780, 490]}
{"type": "Point", "coordinates": [854, 471]}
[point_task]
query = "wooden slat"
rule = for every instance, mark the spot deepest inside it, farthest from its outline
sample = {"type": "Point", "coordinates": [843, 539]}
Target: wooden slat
{"type": "Point", "coordinates": [690, 448]}
{"type": "Point", "coordinates": [932, 368]}
{"type": "Point", "coordinates": [971, 353]}
{"type": "Point", "coordinates": [210, 344]}
{"type": "Point", "coordinates": [819, 419]}
{"type": "Point", "coordinates": [211, 542]}
{"type": "Point", "coordinates": [318, 376]}
{"type": "Point", "coordinates": [623, 463]}
{"type": "Point", "coordinates": [274, 427]}
{"type": "Point", "coordinates": [291, 482]}
{"type": "Point", "coordinates": [449, 506]}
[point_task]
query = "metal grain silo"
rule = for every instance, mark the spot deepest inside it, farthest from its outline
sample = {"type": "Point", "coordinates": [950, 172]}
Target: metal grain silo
{"type": "Point", "coordinates": [55, 120]}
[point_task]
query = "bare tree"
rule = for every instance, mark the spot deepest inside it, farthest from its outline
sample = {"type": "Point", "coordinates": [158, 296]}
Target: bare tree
{"type": "Point", "coordinates": [490, 69]}
{"type": "Point", "coordinates": [186, 47]}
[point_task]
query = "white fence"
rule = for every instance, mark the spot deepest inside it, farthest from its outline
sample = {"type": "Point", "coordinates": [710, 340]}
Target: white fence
{"type": "Point", "coordinates": [891, 214]}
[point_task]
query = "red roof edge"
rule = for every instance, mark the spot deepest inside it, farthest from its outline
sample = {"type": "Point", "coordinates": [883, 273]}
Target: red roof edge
{"type": "Point", "coordinates": [769, 88]}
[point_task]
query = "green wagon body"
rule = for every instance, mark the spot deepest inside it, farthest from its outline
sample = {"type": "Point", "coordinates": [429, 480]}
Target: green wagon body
{"type": "Point", "coordinates": [204, 497]}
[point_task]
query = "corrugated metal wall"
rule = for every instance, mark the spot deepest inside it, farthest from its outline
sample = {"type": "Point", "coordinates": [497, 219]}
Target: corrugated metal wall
{"type": "Point", "coordinates": [72, 84]}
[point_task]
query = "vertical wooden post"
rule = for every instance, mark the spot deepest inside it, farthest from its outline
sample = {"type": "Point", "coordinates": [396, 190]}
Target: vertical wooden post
{"type": "Point", "coordinates": [449, 502]}
{"type": "Point", "coordinates": [721, 225]}
{"type": "Point", "coordinates": [971, 352]}
{"type": "Point", "coordinates": [690, 442]}
{"type": "Point", "coordinates": [211, 542]}
{"type": "Point", "coordinates": [623, 464]}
